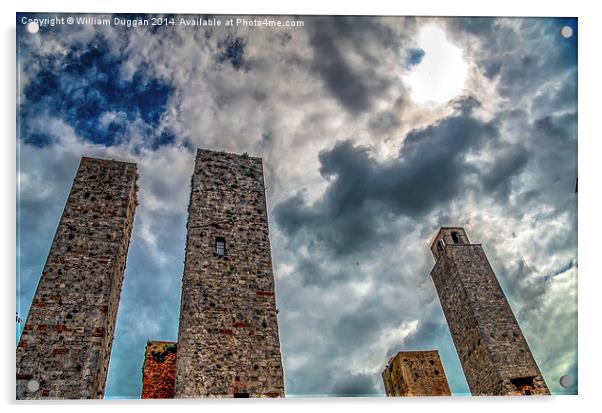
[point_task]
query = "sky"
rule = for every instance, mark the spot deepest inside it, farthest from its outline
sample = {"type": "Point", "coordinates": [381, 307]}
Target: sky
{"type": "Point", "coordinates": [374, 132]}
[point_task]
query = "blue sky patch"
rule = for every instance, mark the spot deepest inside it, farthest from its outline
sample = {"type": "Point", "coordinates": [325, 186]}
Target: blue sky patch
{"type": "Point", "coordinates": [86, 90]}
{"type": "Point", "coordinates": [414, 57]}
{"type": "Point", "coordinates": [232, 50]}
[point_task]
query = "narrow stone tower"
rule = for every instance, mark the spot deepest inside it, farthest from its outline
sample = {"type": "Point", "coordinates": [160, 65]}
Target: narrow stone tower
{"type": "Point", "coordinates": [415, 373]}
{"type": "Point", "coordinates": [66, 343]}
{"type": "Point", "coordinates": [495, 356]}
{"type": "Point", "coordinates": [228, 343]}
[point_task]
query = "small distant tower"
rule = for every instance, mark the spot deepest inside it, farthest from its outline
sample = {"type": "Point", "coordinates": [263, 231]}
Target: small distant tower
{"type": "Point", "coordinates": [415, 373]}
{"type": "Point", "coordinates": [65, 346]}
{"type": "Point", "coordinates": [228, 343]}
{"type": "Point", "coordinates": [495, 356]}
{"type": "Point", "coordinates": [159, 370]}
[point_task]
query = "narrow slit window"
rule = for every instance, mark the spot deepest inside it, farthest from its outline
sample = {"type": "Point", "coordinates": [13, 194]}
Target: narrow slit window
{"type": "Point", "coordinates": [220, 246]}
{"type": "Point", "coordinates": [456, 237]}
{"type": "Point", "coordinates": [441, 245]}
{"type": "Point", "coordinates": [241, 395]}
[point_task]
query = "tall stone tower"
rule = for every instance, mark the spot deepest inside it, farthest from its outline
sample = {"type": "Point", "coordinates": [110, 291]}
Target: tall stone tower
{"type": "Point", "coordinates": [415, 373]}
{"type": "Point", "coordinates": [228, 343]}
{"type": "Point", "coordinates": [66, 343]}
{"type": "Point", "coordinates": [495, 356]}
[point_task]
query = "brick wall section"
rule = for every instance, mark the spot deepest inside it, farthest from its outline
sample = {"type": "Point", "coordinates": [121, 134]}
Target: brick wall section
{"type": "Point", "coordinates": [415, 373]}
{"type": "Point", "coordinates": [228, 344]}
{"type": "Point", "coordinates": [66, 341]}
{"type": "Point", "coordinates": [159, 370]}
{"type": "Point", "coordinates": [495, 356]}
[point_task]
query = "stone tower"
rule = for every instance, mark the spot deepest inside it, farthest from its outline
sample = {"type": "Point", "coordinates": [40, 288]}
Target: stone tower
{"type": "Point", "coordinates": [159, 370]}
{"type": "Point", "coordinates": [66, 343]}
{"type": "Point", "coordinates": [228, 343]}
{"type": "Point", "coordinates": [495, 356]}
{"type": "Point", "coordinates": [415, 373]}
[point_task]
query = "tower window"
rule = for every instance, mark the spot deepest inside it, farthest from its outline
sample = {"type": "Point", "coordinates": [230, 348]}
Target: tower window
{"type": "Point", "coordinates": [456, 238]}
{"type": "Point", "coordinates": [441, 245]}
{"type": "Point", "coordinates": [220, 246]}
{"type": "Point", "coordinates": [241, 395]}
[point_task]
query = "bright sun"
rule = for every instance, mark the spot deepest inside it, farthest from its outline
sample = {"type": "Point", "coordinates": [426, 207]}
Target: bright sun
{"type": "Point", "coordinates": [441, 73]}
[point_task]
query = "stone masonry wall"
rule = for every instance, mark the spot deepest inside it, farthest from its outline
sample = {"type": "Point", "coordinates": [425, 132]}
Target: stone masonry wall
{"type": "Point", "coordinates": [66, 342]}
{"type": "Point", "coordinates": [495, 356]}
{"type": "Point", "coordinates": [415, 373]}
{"type": "Point", "coordinates": [159, 370]}
{"type": "Point", "coordinates": [228, 344]}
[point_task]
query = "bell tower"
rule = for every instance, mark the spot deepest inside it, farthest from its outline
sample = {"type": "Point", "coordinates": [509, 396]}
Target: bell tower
{"type": "Point", "coordinates": [495, 356]}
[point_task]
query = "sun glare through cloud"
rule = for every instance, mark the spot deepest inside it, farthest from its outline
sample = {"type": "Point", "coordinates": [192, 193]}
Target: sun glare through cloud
{"type": "Point", "coordinates": [441, 72]}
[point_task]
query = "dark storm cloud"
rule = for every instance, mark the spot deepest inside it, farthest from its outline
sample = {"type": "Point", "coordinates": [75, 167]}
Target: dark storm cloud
{"type": "Point", "coordinates": [562, 97]}
{"type": "Point", "coordinates": [522, 56]}
{"type": "Point", "coordinates": [359, 328]}
{"type": "Point", "coordinates": [553, 169]}
{"type": "Point", "coordinates": [356, 385]}
{"type": "Point", "coordinates": [385, 122]}
{"type": "Point", "coordinates": [353, 85]}
{"type": "Point", "coordinates": [478, 26]}
{"type": "Point", "coordinates": [363, 193]}
{"type": "Point", "coordinates": [509, 162]}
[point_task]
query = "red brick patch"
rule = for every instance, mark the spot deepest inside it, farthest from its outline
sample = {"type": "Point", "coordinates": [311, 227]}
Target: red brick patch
{"type": "Point", "coordinates": [239, 325]}
{"type": "Point", "coordinates": [58, 351]}
{"type": "Point", "coordinates": [264, 293]}
{"type": "Point", "coordinates": [60, 328]}
{"type": "Point", "coordinates": [22, 343]}
{"type": "Point", "coordinates": [158, 377]}
{"type": "Point", "coordinates": [226, 331]}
